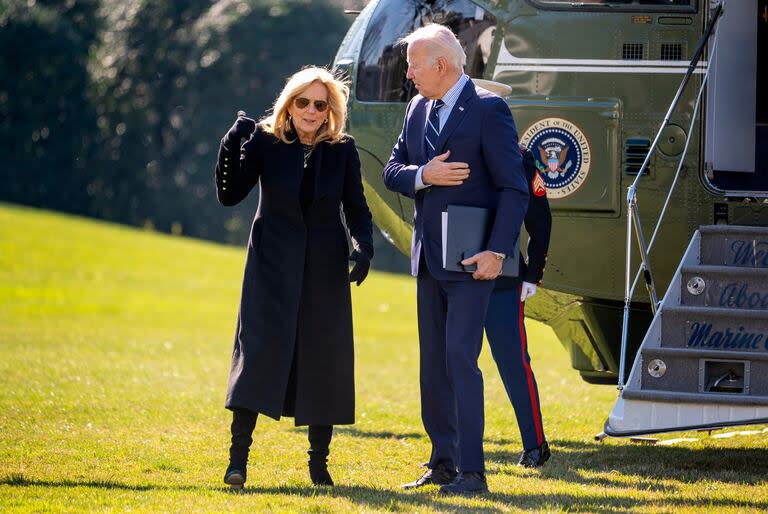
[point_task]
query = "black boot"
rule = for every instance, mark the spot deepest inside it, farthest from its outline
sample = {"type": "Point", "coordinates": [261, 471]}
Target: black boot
{"type": "Point", "coordinates": [319, 440]}
{"type": "Point", "coordinates": [243, 423]}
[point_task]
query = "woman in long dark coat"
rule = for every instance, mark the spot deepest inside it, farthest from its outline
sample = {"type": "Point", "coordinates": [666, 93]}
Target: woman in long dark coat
{"type": "Point", "coordinates": [293, 351]}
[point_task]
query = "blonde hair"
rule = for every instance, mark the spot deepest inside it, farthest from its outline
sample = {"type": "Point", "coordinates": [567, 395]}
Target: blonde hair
{"type": "Point", "coordinates": [279, 124]}
{"type": "Point", "coordinates": [442, 41]}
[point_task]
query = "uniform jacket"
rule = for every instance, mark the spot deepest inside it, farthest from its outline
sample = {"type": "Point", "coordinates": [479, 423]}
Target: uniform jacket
{"type": "Point", "coordinates": [538, 224]}
{"type": "Point", "coordinates": [293, 348]}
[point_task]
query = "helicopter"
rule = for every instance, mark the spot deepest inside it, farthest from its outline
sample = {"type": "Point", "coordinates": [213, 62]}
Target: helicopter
{"type": "Point", "coordinates": [650, 131]}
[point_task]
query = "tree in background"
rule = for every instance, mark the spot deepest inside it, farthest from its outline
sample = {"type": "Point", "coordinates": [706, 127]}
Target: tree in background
{"type": "Point", "coordinates": [169, 77]}
{"type": "Point", "coordinates": [115, 108]}
{"type": "Point", "coordinates": [47, 121]}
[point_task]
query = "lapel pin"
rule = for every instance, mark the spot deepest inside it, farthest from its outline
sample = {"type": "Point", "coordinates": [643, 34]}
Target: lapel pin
{"type": "Point", "coordinates": [461, 108]}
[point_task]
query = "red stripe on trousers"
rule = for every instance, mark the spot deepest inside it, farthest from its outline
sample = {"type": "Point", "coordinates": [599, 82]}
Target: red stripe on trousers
{"type": "Point", "coordinates": [529, 376]}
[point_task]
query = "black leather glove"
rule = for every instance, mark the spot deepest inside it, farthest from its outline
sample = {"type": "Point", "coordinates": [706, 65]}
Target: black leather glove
{"type": "Point", "coordinates": [362, 266]}
{"type": "Point", "coordinates": [243, 127]}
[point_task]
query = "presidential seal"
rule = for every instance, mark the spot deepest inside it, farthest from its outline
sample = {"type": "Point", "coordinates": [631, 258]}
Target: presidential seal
{"type": "Point", "coordinates": [562, 155]}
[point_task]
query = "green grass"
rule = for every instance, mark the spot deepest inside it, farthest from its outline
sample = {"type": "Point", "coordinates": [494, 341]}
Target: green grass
{"type": "Point", "coordinates": [114, 354]}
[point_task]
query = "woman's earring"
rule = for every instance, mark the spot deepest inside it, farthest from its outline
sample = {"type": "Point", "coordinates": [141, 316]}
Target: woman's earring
{"type": "Point", "coordinates": [325, 120]}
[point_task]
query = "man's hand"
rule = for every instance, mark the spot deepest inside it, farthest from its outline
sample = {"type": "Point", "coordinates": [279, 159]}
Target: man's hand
{"type": "Point", "coordinates": [438, 172]}
{"type": "Point", "coordinates": [527, 291]}
{"type": "Point", "coordinates": [488, 265]}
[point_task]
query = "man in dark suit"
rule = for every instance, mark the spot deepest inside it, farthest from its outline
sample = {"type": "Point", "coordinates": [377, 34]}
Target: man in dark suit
{"type": "Point", "coordinates": [458, 146]}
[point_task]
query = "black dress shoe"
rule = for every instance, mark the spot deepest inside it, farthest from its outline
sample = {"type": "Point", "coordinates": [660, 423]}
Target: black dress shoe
{"type": "Point", "coordinates": [235, 476]}
{"type": "Point", "coordinates": [466, 483]}
{"type": "Point", "coordinates": [535, 457]}
{"type": "Point", "coordinates": [439, 475]}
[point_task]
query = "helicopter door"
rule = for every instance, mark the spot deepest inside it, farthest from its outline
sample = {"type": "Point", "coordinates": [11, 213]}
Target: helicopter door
{"type": "Point", "coordinates": [382, 61]}
{"type": "Point", "coordinates": [736, 140]}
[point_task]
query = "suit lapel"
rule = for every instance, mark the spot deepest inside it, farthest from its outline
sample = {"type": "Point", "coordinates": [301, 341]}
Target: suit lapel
{"type": "Point", "coordinates": [418, 121]}
{"type": "Point", "coordinates": [457, 114]}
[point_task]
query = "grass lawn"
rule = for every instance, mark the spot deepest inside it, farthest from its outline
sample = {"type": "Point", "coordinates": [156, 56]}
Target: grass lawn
{"type": "Point", "coordinates": [114, 356]}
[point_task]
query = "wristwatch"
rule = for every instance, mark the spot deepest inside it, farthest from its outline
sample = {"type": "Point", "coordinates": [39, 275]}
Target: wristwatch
{"type": "Point", "coordinates": [499, 256]}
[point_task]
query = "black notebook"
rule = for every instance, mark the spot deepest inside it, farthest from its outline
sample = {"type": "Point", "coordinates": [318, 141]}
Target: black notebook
{"type": "Point", "coordinates": [465, 233]}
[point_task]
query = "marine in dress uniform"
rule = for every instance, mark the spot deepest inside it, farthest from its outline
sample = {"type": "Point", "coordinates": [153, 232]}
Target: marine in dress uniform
{"type": "Point", "coordinates": [504, 325]}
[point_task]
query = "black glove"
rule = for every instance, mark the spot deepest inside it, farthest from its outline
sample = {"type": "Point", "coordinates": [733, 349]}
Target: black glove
{"type": "Point", "coordinates": [243, 127]}
{"type": "Point", "coordinates": [362, 265]}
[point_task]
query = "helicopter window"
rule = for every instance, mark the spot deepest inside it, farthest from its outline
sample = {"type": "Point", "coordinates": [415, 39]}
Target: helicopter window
{"type": "Point", "coordinates": [634, 4]}
{"type": "Point", "coordinates": [382, 64]}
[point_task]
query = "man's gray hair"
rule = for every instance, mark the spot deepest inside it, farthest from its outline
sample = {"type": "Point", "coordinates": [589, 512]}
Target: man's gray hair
{"type": "Point", "coordinates": [444, 41]}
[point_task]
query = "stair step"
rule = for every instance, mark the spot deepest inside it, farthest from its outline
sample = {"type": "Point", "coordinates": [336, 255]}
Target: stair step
{"type": "Point", "coordinates": [734, 245]}
{"type": "Point", "coordinates": [695, 371]}
{"type": "Point", "coordinates": [675, 397]}
{"type": "Point", "coordinates": [733, 229]}
{"type": "Point", "coordinates": [695, 353]}
{"type": "Point", "coordinates": [704, 360]}
{"type": "Point", "coordinates": [724, 286]}
{"type": "Point", "coordinates": [716, 329]}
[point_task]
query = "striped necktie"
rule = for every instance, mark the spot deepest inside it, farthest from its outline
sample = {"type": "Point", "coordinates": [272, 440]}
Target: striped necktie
{"type": "Point", "coordinates": [433, 129]}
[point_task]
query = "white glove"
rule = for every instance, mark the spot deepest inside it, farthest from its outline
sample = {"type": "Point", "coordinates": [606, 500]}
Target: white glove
{"type": "Point", "coordinates": [527, 291]}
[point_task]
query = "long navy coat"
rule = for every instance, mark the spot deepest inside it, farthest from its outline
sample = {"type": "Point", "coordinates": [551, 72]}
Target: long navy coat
{"type": "Point", "coordinates": [293, 351]}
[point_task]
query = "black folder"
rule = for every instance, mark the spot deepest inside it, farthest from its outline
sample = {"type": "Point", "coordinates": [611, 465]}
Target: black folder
{"type": "Point", "coordinates": [465, 233]}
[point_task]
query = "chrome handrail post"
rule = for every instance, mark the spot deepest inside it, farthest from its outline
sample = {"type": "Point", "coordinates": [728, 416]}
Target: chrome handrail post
{"type": "Point", "coordinates": [646, 262]}
{"type": "Point", "coordinates": [627, 281]}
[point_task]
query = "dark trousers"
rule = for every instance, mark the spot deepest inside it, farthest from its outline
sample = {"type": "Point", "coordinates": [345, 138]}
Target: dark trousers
{"type": "Point", "coordinates": [505, 330]}
{"type": "Point", "coordinates": [451, 318]}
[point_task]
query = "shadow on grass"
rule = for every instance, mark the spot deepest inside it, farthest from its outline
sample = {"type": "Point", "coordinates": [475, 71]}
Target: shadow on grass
{"type": "Point", "coordinates": [401, 501]}
{"type": "Point", "coordinates": [618, 466]}
{"type": "Point", "coordinates": [394, 500]}
{"type": "Point", "coordinates": [662, 469]}
{"type": "Point", "coordinates": [489, 441]}
{"type": "Point", "coordinates": [369, 434]}
{"type": "Point", "coordinates": [21, 481]}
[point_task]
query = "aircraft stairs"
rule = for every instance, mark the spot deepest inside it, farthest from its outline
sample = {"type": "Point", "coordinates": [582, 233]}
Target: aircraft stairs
{"type": "Point", "coordinates": [704, 360]}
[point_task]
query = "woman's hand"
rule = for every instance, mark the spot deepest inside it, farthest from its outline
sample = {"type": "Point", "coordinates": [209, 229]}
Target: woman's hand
{"type": "Point", "coordinates": [243, 127]}
{"type": "Point", "coordinates": [362, 265]}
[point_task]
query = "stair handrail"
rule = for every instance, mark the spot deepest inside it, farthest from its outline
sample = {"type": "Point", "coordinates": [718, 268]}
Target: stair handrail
{"type": "Point", "coordinates": [678, 171]}
{"type": "Point", "coordinates": [633, 215]}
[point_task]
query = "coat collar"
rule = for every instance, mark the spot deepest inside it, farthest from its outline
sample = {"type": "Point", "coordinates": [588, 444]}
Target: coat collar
{"type": "Point", "coordinates": [419, 122]}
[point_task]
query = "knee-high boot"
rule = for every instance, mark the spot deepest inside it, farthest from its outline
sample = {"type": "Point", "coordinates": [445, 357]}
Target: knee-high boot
{"type": "Point", "coordinates": [319, 441]}
{"type": "Point", "coordinates": [243, 423]}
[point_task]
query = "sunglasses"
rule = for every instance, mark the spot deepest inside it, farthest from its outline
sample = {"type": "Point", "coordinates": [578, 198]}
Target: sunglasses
{"type": "Point", "coordinates": [302, 103]}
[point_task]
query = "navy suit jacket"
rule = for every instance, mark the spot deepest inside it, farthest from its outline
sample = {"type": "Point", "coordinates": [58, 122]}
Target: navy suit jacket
{"type": "Point", "coordinates": [481, 132]}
